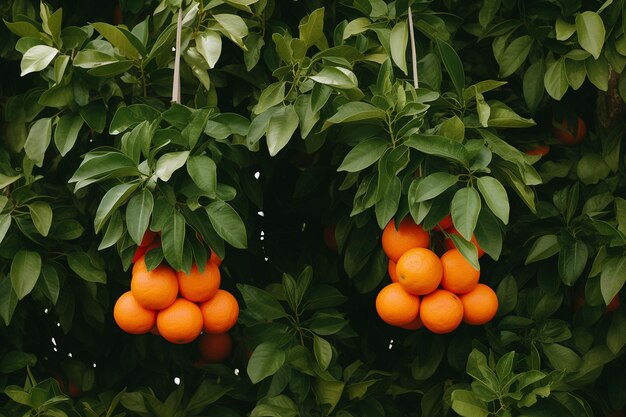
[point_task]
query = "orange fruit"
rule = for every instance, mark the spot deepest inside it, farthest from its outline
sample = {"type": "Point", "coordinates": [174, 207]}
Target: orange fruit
{"type": "Point", "coordinates": [613, 305]}
{"type": "Point", "coordinates": [156, 289]}
{"type": "Point", "coordinates": [459, 276]}
{"type": "Point", "coordinates": [142, 250]}
{"type": "Point", "coordinates": [396, 306]}
{"type": "Point", "coordinates": [569, 135]}
{"type": "Point", "coordinates": [329, 238]}
{"type": "Point", "coordinates": [148, 238]}
{"type": "Point", "coordinates": [215, 259]}
{"type": "Point", "coordinates": [414, 325]}
{"type": "Point", "coordinates": [199, 286]}
{"type": "Point", "coordinates": [479, 305]}
{"type": "Point", "coordinates": [441, 311]}
{"type": "Point", "coordinates": [450, 244]}
{"type": "Point", "coordinates": [220, 313]}
{"type": "Point", "coordinates": [419, 271]}
{"type": "Point", "coordinates": [181, 322]}
{"type": "Point", "coordinates": [131, 316]}
{"type": "Point", "coordinates": [391, 269]}
{"type": "Point", "coordinates": [539, 150]}
{"type": "Point", "coordinates": [214, 348]}
{"type": "Point", "coordinates": [445, 223]}
{"type": "Point", "coordinates": [408, 235]}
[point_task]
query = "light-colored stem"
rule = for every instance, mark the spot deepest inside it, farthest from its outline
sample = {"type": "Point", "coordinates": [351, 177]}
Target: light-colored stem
{"type": "Point", "coordinates": [413, 50]}
{"type": "Point", "coordinates": [176, 82]}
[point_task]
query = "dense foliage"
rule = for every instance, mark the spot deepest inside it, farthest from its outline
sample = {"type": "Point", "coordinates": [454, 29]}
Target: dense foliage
{"type": "Point", "coordinates": [301, 120]}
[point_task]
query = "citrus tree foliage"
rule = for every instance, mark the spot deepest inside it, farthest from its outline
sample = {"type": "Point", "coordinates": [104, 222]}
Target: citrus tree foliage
{"type": "Point", "coordinates": [299, 117]}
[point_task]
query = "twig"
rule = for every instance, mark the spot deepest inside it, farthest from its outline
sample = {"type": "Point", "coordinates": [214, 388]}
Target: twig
{"type": "Point", "coordinates": [413, 50]}
{"type": "Point", "coordinates": [176, 82]}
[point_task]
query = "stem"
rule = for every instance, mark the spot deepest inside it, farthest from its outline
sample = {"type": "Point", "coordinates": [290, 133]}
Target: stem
{"type": "Point", "coordinates": [143, 79]}
{"type": "Point", "coordinates": [176, 81]}
{"type": "Point", "coordinates": [413, 49]}
{"type": "Point", "coordinates": [390, 130]}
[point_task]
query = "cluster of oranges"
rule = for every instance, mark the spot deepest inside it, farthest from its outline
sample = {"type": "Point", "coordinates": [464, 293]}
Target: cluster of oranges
{"type": "Point", "coordinates": [179, 306]}
{"type": "Point", "coordinates": [427, 290]}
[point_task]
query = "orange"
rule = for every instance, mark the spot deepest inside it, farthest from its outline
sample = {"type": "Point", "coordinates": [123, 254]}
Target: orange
{"type": "Point", "coordinates": [567, 135]}
{"type": "Point", "coordinates": [215, 348]}
{"type": "Point", "coordinates": [445, 223]}
{"type": "Point", "coordinates": [409, 235]}
{"type": "Point", "coordinates": [215, 259]}
{"type": "Point", "coordinates": [441, 311]}
{"type": "Point", "coordinates": [414, 325]}
{"type": "Point", "coordinates": [396, 306]}
{"type": "Point", "coordinates": [156, 289]}
{"type": "Point", "coordinates": [148, 238]}
{"type": "Point", "coordinates": [131, 317]}
{"type": "Point", "coordinates": [220, 313]}
{"type": "Point", "coordinates": [450, 244]}
{"type": "Point", "coordinates": [181, 322]}
{"type": "Point", "coordinates": [391, 269]}
{"type": "Point", "coordinates": [142, 250]}
{"type": "Point", "coordinates": [479, 305]}
{"type": "Point", "coordinates": [329, 238]}
{"type": "Point", "coordinates": [419, 271]}
{"type": "Point", "coordinates": [197, 286]}
{"type": "Point", "coordinates": [539, 150]}
{"type": "Point", "coordinates": [459, 276]}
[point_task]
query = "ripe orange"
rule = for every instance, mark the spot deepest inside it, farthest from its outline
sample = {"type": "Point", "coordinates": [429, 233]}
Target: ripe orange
{"type": "Point", "coordinates": [215, 259]}
{"type": "Point", "coordinates": [214, 348]}
{"type": "Point", "coordinates": [220, 313]}
{"type": "Point", "coordinates": [539, 150]}
{"type": "Point", "coordinates": [131, 317]}
{"type": "Point", "coordinates": [419, 271]}
{"type": "Point", "coordinates": [415, 324]}
{"type": "Point", "coordinates": [181, 322]}
{"type": "Point", "coordinates": [197, 286]}
{"type": "Point", "coordinates": [156, 289]}
{"type": "Point", "coordinates": [441, 311]}
{"type": "Point", "coordinates": [459, 276]}
{"type": "Point", "coordinates": [570, 136]}
{"type": "Point", "coordinates": [445, 224]}
{"type": "Point", "coordinates": [450, 244]}
{"type": "Point", "coordinates": [148, 238]}
{"type": "Point", "coordinates": [329, 238]}
{"type": "Point", "coordinates": [409, 235]}
{"type": "Point", "coordinates": [142, 250]}
{"type": "Point", "coordinates": [391, 269]}
{"type": "Point", "coordinates": [479, 305]}
{"type": "Point", "coordinates": [396, 306]}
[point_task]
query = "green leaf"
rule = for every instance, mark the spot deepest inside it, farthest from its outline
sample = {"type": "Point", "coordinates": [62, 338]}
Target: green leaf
{"type": "Point", "coordinates": [533, 85]}
{"type": "Point", "coordinates": [337, 77]}
{"type": "Point", "coordinates": [83, 266]}
{"type": "Point", "coordinates": [51, 283]}
{"type": "Point", "coordinates": [38, 140]}
{"type": "Point", "coordinates": [113, 199]}
{"type": "Point", "coordinates": [66, 132]}
{"type": "Point", "coordinates": [8, 299]}
{"type": "Point", "coordinates": [173, 240]}
{"type": "Point", "coordinates": [562, 358]}
{"type": "Point", "coordinates": [495, 196]}
{"type": "Point", "coordinates": [488, 12]}
{"type": "Point", "coordinates": [281, 128]}
{"type": "Point", "coordinates": [616, 335]}
{"type": "Point", "coordinates": [5, 224]}
{"type": "Point", "coordinates": [233, 26]}
{"type": "Point", "coordinates": [502, 115]}
{"type": "Point", "coordinates": [555, 79]}
{"type": "Point", "coordinates": [209, 45]}
{"type": "Point", "coordinates": [356, 26]}
{"type": "Point", "coordinates": [433, 185]}
{"type": "Point", "coordinates": [272, 95]}
{"type": "Point", "coordinates": [564, 30]}
{"type": "Point", "coordinates": [265, 361]}
{"type": "Point", "coordinates": [170, 163]}
{"type": "Point", "coordinates": [261, 303]}
{"type": "Point", "coordinates": [355, 111]}
{"type": "Point", "coordinates": [203, 172]}
{"type": "Point", "coordinates": [612, 278]}
{"type": "Point", "coordinates": [465, 208]}
{"type": "Point", "coordinates": [364, 154]}
{"type": "Point", "coordinates": [207, 393]}
{"type": "Point", "coordinates": [138, 214]}
{"type": "Point", "coordinates": [129, 116]}
{"type": "Point", "coordinates": [466, 404]}
{"type": "Point", "coordinates": [544, 247]}
{"type": "Point", "coordinates": [5, 181]}
{"type": "Point", "coordinates": [323, 352]}
{"type": "Point", "coordinates": [514, 55]}
{"type": "Point", "coordinates": [312, 27]}
{"type": "Point", "coordinates": [467, 249]}
{"type": "Point", "coordinates": [440, 146]}
{"type": "Point", "coordinates": [591, 32]}
{"type": "Point", "coordinates": [572, 261]}
{"type": "Point", "coordinates": [37, 58]}
{"type": "Point", "coordinates": [328, 392]}
{"type": "Point", "coordinates": [23, 29]}
{"type": "Point", "coordinates": [118, 39]}
{"type": "Point", "coordinates": [598, 72]}
{"type": "Point", "coordinates": [15, 360]}
{"type": "Point", "coordinates": [41, 214]}
{"type": "Point", "coordinates": [453, 65]}
{"type": "Point", "coordinates": [227, 224]}
{"type": "Point", "coordinates": [398, 42]}
{"type": "Point", "coordinates": [25, 270]}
